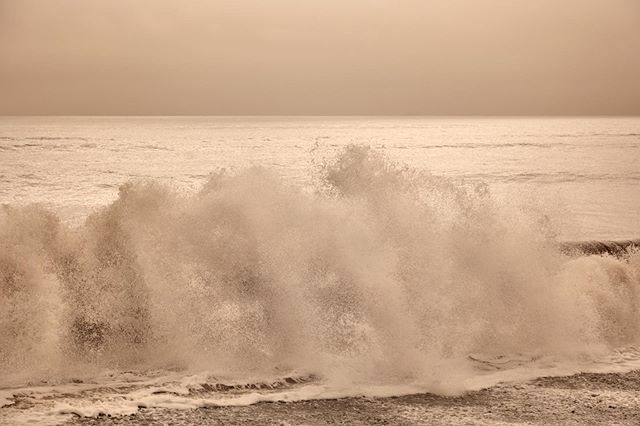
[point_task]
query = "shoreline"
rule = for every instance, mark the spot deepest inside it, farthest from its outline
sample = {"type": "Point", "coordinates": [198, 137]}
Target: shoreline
{"type": "Point", "coordinates": [584, 398]}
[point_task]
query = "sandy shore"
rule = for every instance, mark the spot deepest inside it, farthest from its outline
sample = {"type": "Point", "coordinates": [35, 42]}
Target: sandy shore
{"type": "Point", "coordinates": [575, 400]}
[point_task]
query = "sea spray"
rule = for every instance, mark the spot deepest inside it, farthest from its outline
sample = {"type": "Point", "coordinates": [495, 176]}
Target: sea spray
{"type": "Point", "coordinates": [383, 275]}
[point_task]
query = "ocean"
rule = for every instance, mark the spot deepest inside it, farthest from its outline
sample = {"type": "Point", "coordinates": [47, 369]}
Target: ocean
{"type": "Point", "coordinates": [586, 169]}
{"type": "Point", "coordinates": [180, 263]}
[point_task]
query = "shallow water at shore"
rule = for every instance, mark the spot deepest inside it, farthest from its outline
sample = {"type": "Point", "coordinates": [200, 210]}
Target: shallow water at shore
{"type": "Point", "coordinates": [582, 399]}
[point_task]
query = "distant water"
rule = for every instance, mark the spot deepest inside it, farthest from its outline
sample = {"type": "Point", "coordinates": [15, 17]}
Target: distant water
{"type": "Point", "coordinates": [196, 262]}
{"type": "Point", "coordinates": [585, 171]}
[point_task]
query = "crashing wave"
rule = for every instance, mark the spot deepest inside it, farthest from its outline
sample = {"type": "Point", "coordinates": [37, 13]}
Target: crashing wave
{"type": "Point", "coordinates": [383, 274]}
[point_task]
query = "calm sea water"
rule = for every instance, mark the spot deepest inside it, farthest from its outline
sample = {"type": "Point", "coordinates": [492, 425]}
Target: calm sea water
{"type": "Point", "coordinates": [585, 171]}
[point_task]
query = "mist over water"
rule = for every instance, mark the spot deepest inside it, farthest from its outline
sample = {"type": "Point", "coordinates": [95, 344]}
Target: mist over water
{"type": "Point", "coordinates": [382, 275]}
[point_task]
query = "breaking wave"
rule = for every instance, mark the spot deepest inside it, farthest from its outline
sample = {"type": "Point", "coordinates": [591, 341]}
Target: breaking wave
{"type": "Point", "coordinates": [380, 275]}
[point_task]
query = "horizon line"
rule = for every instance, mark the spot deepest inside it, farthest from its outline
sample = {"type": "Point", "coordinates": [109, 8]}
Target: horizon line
{"type": "Point", "coordinates": [337, 115]}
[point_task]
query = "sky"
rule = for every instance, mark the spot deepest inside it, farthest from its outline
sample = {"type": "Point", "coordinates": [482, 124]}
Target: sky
{"type": "Point", "coordinates": [320, 57]}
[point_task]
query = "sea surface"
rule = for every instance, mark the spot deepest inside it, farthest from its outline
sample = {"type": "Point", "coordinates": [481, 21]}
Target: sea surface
{"type": "Point", "coordinates": [187, 263]}
{"type": "Point", "coordinates": [587, 170]}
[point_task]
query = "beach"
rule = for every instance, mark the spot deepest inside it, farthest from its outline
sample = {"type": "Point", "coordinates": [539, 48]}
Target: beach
{"type": "Point", "coordinates": [582, 399]}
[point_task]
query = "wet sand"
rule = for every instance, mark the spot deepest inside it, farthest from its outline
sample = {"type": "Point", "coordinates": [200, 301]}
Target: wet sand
{"type": "Point", "coordinates": [612, 399]}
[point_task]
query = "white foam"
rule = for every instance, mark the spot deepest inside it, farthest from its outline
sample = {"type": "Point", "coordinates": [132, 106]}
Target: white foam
{"type": "Point", "coordinates": [383, 277]}
{"type": "Point", "coordinates": [6, 398]}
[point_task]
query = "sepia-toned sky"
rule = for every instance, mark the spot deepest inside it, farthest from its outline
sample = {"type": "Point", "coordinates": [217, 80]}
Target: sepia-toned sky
{"type": "Point", "coordinates": [354, 57]}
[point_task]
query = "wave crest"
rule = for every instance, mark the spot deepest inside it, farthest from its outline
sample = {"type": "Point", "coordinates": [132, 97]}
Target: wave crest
{"type": "Point", "coordinates": [383, 274]}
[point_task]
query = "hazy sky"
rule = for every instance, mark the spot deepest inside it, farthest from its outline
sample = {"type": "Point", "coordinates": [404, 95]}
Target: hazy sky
{"type": "Point", "coordinates": [353, 57]}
